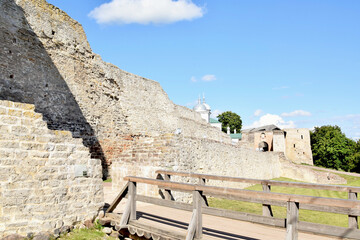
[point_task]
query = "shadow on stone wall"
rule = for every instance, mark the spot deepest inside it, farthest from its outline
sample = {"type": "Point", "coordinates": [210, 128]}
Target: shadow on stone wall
{"type": "Point", "coordinates": [28, 75]}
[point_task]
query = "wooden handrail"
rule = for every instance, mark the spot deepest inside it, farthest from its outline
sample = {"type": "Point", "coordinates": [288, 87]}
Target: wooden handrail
{"type": "Point", "coordinates": [293, 202]}
{"type": "Point", "coordinates": [263, 182]}
{"type": "Point", "coordinates": [223, 191]}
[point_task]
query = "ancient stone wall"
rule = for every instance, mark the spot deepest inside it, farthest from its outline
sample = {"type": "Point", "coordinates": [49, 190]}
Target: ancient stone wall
{"type": "Point", "coordinates": [297, 145]}
{"type": "Point", "coordinates": [143, 155]}
{"type": "Point", "coordinates": [278, 141]}
{"type": "Point", "coordinates": [41, 174]}
{"type": "Point", "coordinates": [266, 137]}
{"type": "Point", "coordinates": [49, 63]}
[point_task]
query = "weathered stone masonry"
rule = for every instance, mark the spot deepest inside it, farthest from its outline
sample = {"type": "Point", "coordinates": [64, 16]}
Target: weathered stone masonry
{"type": "Point", "coordinates": [125, 120]}
{"type": "Point", "coordinates": [113, 111]}
{"type": "Point", "coordinates": [52, 66]}
{"type": "Point", "coordinates": [179, 153]}
{"type": "Point", "coordinates": [38, 187]}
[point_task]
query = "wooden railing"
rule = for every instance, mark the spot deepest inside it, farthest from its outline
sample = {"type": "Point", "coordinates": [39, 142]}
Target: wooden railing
{"type": "Point", "coordinates": [266, 186]}
{"type": "Point", "coordinates": [290, 201]}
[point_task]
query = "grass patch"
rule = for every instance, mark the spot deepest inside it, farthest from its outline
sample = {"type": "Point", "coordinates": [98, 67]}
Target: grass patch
{"type": "Point", "coordinates": [280, 212]}
{"type": "Point", "coordinates": [108, 180]}
{"type": "Point", "coordinates": [85, 234]}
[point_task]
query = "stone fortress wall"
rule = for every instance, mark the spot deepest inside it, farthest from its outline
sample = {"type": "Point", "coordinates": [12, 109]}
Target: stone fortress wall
{"type": "Point", "coordinates": [175, 152]}
{"type": "Point", "coordinates": [38, 184]}
{"type": "Point", "coordinates": [119, 111]}
{"type": "Point", "coordinates": [125, 120]}
{"type": "Point", "coordinates": [49, 63]}
{"type": "Point", "coordinates": [293, 142]}
{"type": "Point", "coordinates": [75, 90]}
{"type": "Point", "coordinates": [296, 145]}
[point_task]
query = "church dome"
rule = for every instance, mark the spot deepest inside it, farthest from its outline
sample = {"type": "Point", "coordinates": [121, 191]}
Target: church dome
{"type": "Point", "coordinates": [199, 107]}
{"type": "Point", "coordinates": [207, 107]}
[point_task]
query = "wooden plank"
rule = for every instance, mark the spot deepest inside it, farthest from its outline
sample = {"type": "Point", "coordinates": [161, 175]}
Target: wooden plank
{"type": "Point", "coordinates": [331, 209]}
{"type": "Point", "coordinates": [303, 226]}
{"type": "Point", "coordinates": [118, 198]}
{"type": "Point", "coordinates": [167, 193]}
{"type": "Point", "coordinates": [153, 230]}
{"type": "Point", "coordinates": [227, 192]}
{"type": "Point", "coordinates": [198, 202]}
{"type": "Point", "coordinates": [126, 214]}
{"type": "Point", "coordinates": [239, 215]}
{"type": "Point", "coordinates": [165, 203]}
{"type": "Point", "coordinates": [271, 221]}
{"type": "Point", "coordinates": [253, 200]}
{"type": "Point", "coordinates": [353, 220]}
{"type": "Point", "coordinates": [205, 202]}
{"type": "Point", "coordinates": [162, 183]}
{"type": "Point", "coordinates": [215, 211]}
{"type": "Point", "coordinates": [132, 200]}
{"type": "Point", "coordinates": [292, 219]}
{"type": "Point", "coordinates": [190, 234]}
{"type": "Point", "coordinates": [267, 211]}
{"type": "Point", "coordinates": [339, 210]}
{"type": "Point", "coordinates": [329, 230]}
{"type": "Point", "coordinates": [267, 182]}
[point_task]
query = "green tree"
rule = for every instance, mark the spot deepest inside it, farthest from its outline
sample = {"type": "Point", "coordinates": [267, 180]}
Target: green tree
{"type": "Point", "coordinates": [332, 149]}
{"type": "Point", "coordinates": [357, 157]}
{"type": "Point", "coordinates": [230, 119]}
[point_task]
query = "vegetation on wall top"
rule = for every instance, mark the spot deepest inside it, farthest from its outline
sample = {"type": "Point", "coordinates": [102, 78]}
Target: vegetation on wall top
{"type": "Point", "coordinates": [230, 119]}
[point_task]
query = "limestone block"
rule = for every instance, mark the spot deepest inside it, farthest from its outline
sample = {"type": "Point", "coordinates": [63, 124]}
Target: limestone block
{"type": "Point", "coordinates": [14, 112]}
{"type": "Point", "coordinates": [9, 120]}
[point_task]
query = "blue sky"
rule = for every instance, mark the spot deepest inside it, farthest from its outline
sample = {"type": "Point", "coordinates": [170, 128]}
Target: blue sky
{"type": "Point", "coordinates": [292, 63]}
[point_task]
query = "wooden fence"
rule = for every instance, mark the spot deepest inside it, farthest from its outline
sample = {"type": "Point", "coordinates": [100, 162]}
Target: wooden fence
{"type": "Point", "coordinates": [293, 203]}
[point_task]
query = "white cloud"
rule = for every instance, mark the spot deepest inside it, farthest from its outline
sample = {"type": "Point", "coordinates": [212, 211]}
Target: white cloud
{"type": "Point", "coordinates": [296, 113]}
{"type": "Point", "coordinates": [193, 79]}
{"type": "Point", "coordinates": [258, 112]}
{"type": "Point", "coordinates": [146, 11]}
{"type": "Point", "coordinates": [215, 113]}
{"type": "Point", "coordinates": [269, 119]}
{"type": "Point", "coordinates": [208, 78]}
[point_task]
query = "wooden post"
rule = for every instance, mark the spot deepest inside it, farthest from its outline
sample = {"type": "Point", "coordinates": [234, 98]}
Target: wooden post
{"type": "Point", "coordinates": [197, 204]}
{"type": "Point", "coordinates": [292, 219]}
{"type": "Point", "coordinates": [118, 199]}
{"type": "Point", "coordinates": [126, 214]}
{"type": "Point", "coordinates": [202, 181]}
{"type": "Point", "coordinates": [191, 229]}
{"type": "Point", "coordinates": [132, 198]}
{"type": "Point", "coordinates": [353, 220]}
{"type": "Point", "coordinates": [167, 192]}
{"type": "Point", "coordinates": [204, 199]}
{"type": "Point", "coordinates": [267, 211]}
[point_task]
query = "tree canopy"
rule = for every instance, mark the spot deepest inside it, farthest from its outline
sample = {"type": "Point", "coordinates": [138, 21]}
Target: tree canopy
{"type": "Point", "coordinates": [230, 119]}
{"type": "Point", "coordinates": [332, 149]}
